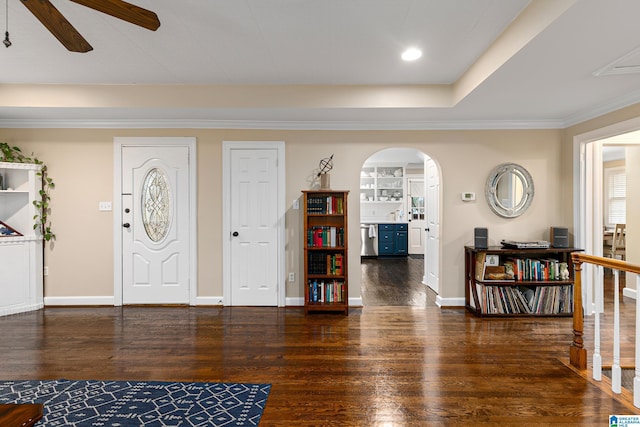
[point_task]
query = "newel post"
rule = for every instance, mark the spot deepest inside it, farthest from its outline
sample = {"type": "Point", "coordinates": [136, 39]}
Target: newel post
{"type": "Point", "coordinates": [577, 352]}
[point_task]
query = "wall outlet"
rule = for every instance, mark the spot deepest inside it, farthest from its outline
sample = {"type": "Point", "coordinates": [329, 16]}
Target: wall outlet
{"type": "Point", "coordinates": [46, 271]}
{"type": "Point", "coordinates": [292, 277]}
{"type": "Point", "coordinates": [296, 204]}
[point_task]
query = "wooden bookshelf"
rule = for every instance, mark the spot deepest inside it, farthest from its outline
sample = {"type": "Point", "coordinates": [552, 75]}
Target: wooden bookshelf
{"type": "Point", "coordinates": [518, 282]}
{"type": "Point", "coordinates": [326, 287]}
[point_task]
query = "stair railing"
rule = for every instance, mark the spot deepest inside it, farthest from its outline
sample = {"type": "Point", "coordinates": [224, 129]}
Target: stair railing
{"type": "Point", "coordinates": [577, 352]}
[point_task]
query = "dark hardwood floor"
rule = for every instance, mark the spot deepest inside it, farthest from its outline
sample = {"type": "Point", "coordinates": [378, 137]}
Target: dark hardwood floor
{"type": "Point", "coordinates": [379, 366]}
{"type": "Point", "coordinates": [394, 282]}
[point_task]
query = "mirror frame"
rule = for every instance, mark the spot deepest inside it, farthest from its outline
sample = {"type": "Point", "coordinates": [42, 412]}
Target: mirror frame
{"type": "Point", "coordinates": [492, 186]}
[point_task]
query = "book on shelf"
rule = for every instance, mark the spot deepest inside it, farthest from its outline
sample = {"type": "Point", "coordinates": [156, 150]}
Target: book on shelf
{"type": "Point", "coordinates": [321, 204]}
{"type": "Point", "coordinates": [322, 263]}
{"type": "Point", "coordinates": [519, 269]}
{"type": "Point", "coordinates": [539, 300]}
{"type": "Point", "coordinates": [334, 264]}
{"type": "Point", "coordinates": [322, 236]}
{"type": "Point", "coordinates": [326, 291]}
{"type": "Point", "coordinates": [480, 264]}
{"type": "Point", "coordinates": [535, 269]}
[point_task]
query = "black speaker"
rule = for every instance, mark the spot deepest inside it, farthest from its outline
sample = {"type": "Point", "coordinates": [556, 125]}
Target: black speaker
{"type": "Point", "coordinates": [481, 238]}
{"type": "Point", "coordinates": [559, 237]}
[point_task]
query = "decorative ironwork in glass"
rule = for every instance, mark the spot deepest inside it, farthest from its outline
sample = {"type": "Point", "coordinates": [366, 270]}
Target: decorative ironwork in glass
{"type": "Point", "coordinates": [156, 205]}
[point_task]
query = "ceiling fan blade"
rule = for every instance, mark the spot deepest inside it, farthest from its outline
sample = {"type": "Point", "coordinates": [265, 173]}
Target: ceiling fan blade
{"type": "Point", "coordinates": [58, 25]}
{"type": "Point", "coordinates": [125, 11]}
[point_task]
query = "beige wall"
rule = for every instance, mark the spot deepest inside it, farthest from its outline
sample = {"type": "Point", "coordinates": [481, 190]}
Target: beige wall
{"type": "Point", "coordinates": [81, 163]}
{"type": "Point", "coordinates": [571, 133]}
{"type": "Point", "coordinates": [621, 121]}
{"type": "Point", "coordinates": [632, 157]}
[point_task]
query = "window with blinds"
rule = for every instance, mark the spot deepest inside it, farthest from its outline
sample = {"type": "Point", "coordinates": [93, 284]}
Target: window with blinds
{"type": "Point", "coordinates": [615, 209]}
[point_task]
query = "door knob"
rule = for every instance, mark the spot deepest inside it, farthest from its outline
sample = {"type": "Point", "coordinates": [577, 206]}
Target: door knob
{"type": "Point", "coordinates": [235, 234]}
{"type": "Point", "coordinates": [426, 229]}
{"type": "Point", "coordinates": [126, 225]}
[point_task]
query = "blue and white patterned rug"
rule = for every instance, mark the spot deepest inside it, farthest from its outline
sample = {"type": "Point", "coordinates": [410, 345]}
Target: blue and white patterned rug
{"type": "Point", "coordinates": [140, 403]}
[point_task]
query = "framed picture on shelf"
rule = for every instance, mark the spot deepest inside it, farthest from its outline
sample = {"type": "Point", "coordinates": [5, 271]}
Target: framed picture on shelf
{"type": "Point", "coordinates": [7, 231]}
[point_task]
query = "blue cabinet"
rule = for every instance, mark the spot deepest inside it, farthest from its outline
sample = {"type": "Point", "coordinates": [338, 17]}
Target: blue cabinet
{"type": "Point", "coordinates": [392, 239]}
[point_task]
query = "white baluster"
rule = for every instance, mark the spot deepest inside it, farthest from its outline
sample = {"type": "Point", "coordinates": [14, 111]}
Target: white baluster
{"type": "Point", "coordinates": [599, 304]}
{"type": "Point", "coordinates": [636, 379]}
{"type": "Point", "coordinates": [616, 372]}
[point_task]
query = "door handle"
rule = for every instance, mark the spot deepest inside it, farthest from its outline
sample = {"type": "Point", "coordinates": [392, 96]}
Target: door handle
{"type": "Point", "coordinates": [126, 225]}
{"type": "Point", "coordinates": [235, 234]}
{"type": "Point", "coordinates": [426, 229]}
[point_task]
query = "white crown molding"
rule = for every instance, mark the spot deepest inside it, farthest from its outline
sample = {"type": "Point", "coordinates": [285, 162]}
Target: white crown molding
{"type": "Point", "coordinates": [279, 125]}
{"type": "Point", "coordinates": [65, 123]}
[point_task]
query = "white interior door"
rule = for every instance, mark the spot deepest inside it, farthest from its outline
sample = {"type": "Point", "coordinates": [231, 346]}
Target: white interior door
{"type": "Point", "coordinates": [254, 224]}
{"type": "Point", "coordinates": [416, 215]}
{"type": "Point", "coordinates": [432, 250]}
{"type": "Point", "coordinates": [155, 224]}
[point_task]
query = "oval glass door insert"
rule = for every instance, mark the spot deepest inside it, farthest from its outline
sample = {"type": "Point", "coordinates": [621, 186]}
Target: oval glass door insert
{"type": "Point", "coordinates": [156, 204]}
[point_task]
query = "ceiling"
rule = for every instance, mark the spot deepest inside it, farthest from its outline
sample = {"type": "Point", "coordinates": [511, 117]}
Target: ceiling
{"type": "Point", "coordinates": [330, 64]}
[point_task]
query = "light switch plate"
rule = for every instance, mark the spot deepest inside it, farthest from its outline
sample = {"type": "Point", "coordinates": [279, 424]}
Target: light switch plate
{"type": "Point", "coordinates": [468, 196]}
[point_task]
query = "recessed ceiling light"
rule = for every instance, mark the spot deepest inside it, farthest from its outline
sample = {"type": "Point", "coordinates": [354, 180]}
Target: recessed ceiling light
{"type": "Point", "coordinates": [411, 54]}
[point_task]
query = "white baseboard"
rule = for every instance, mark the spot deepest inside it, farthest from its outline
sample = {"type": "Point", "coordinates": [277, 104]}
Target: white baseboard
{"type": "Point", "coordinates": [109, 300]}
{"type": "Point", "coordinates": [105, 300]}
{"type": "Point", "coordinates": [355, 302]}
{"type": "Point", "coordinates": [449, 302]}
{"type": "Point", "coordinates": [628, 292]}
{"type": "Point", "coordinates": [294, 301]}
{"type": "Point", "coordinates": [208, 301]}
{"type": "Point", "coordinates": [20, 309]}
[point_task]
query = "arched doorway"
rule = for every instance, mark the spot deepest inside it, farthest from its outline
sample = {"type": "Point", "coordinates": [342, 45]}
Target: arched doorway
{"type": "Point", "coordinates": [399, 224]}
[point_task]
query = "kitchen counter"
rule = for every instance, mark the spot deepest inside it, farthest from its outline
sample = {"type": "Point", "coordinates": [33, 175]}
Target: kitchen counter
{"type": "Point", "coordinates": [383, 222]}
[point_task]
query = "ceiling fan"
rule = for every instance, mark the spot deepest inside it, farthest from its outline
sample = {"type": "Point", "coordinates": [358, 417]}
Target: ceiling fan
{"type": "Point", "coordinates": [62, 29]}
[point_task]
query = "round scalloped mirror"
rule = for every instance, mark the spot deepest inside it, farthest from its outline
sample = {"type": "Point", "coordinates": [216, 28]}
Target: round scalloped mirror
{"type": "Point", "coordinates": [509, 190]}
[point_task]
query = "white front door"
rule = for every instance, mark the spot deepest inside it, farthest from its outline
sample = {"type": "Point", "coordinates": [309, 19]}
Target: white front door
{"type": "Point", "coordinates": [155, 224]}
{"type": "Point", "coordinates": [417, 223]}
{"type": "Point", "coordinates": [432, 251]}
{"type": "Point", "coordinates": [254, 223]}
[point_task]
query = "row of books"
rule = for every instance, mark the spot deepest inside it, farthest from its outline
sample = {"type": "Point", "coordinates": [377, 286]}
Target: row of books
{"type": "Point", "coordinates": [322, 236]}
{"type": "Point", "coordinates": [325, 205]}
{"type": "Point", "coordinates": [525, 300]}
{"type": "Point", "coordinates": [521, 269]}
{"type": "Point", "coordinates": [324, 263]}
{"type": "Point", "coordinates": [537, 269]}
{"type": "Point", "coordinates": [326, 291]}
